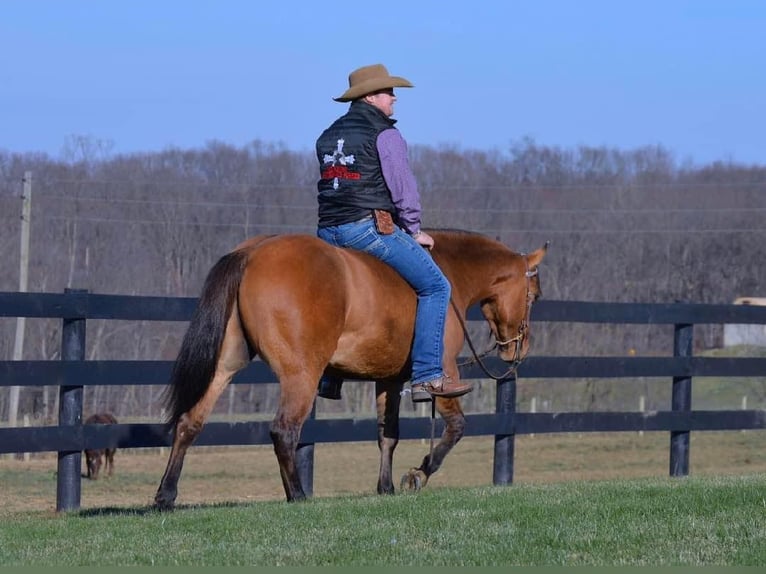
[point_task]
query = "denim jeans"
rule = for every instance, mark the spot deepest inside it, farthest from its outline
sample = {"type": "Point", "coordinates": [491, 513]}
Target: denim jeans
{"type": "Point", "coordinates": [416, 266]}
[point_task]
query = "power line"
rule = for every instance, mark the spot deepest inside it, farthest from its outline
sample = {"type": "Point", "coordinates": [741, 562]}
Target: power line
{"type": "Point", "coordinates": [312, 228]}
{"type": "Point", "coordinates": [183, 203]}
{"type": "Point", "coordinates": [478, 210]}
{"type": "Point", "coordinates": [427, 188]}
{"type": "Point", "coordinates": [166, 223]}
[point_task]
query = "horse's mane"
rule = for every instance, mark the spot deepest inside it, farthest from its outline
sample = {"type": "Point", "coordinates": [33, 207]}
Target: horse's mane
{"type": "Point", "coordinates": [453, 230]}
{"type": "Point", "coordinates": [468, 243]}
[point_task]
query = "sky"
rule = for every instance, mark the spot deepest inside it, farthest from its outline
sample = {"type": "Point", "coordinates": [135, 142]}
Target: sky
{"type": "Point", "coordinates": [146, 75]}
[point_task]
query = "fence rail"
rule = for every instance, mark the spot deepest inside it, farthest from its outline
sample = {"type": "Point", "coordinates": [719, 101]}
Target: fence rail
{"type": "Point", "coordinates": [73, 373]}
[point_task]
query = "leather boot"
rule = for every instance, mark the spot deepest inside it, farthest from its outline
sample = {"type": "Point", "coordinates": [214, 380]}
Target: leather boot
{"type": "Point", "coordinates": [440, 387]}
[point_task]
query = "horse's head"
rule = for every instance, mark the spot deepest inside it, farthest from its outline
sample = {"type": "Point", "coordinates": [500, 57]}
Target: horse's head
{"type": "Point", "coordinates": [508, 309]}
{"type": "Point", "coordinates": [93, 462]}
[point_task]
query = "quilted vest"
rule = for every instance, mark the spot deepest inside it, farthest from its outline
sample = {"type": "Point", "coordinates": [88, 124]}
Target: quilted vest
{"type": "Point", "coordinates": [351, 181]}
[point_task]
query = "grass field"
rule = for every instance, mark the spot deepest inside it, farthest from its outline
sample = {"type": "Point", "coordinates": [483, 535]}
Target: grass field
{"type": "Point", "coordinates": [691, 521]}
{"type": "Point", "coordinates": [577, 499]}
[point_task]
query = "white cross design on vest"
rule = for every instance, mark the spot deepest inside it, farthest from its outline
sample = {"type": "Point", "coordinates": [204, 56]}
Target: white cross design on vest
{"type": "Point", "coordinates": [338, 157]}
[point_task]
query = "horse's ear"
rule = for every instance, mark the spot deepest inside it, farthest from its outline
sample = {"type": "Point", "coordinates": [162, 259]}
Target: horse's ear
{"type": "Point", "coordinates": [534, 258]}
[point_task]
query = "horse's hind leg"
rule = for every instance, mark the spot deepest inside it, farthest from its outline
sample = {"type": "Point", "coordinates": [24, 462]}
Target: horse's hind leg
{"type": "Point", "coordinates": [233, 358]}
{"type": "Point", "coordinates": [454, 420]}
{"type": "Point", "coordinates": [388, 400]}
{"type": "Point", "coordinates": [186, 431]}
{"type": "Point", "coordinates": [297, 393]}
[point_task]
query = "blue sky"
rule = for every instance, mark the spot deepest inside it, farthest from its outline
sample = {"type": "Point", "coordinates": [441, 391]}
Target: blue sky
{"type": "Point", "coordinates": [146, 75]}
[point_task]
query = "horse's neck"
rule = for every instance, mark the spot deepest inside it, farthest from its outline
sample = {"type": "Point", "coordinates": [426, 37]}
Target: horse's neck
{"type": "Point", "coordinates": [473, 264]}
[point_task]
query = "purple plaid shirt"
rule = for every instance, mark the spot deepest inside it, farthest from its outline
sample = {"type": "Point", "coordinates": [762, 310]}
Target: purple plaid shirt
{"type": "Point", "coordinates": [400, 180]}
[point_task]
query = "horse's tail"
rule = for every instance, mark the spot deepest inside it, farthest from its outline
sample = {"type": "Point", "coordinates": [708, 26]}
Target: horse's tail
{"type": "Point", "coordinates": [195, 365]}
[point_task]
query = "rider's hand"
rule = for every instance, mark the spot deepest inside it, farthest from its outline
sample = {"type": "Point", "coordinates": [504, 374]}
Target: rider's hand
{"type": "Point", "coordinates": [424, 239]}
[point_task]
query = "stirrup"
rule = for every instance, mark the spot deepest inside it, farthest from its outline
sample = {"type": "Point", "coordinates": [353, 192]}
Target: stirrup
{"type": "Point", "coordinates": [419, 394]}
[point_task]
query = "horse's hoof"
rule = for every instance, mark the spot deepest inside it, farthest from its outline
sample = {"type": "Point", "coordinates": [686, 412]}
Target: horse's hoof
{"type": "Point", "coordinates": [388, 490]}
{"type": "Point", "coordinates": [164, 505]}
{"type": "Point", "coordinates": [413, 480]}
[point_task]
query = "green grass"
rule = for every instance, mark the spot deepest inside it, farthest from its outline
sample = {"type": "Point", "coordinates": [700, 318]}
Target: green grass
{"type": "Point", "coordinates": [690, 521]}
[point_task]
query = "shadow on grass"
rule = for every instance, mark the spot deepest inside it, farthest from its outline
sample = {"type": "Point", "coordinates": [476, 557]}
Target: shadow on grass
{"type": "Point", "coordinates": [149, 510]}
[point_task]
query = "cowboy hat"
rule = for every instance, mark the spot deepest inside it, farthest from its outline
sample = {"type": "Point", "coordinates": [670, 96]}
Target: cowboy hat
{"type": "Point", "coordinates": [369, 79]}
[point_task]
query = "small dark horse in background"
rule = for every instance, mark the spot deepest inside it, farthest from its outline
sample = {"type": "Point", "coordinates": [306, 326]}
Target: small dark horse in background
{"type": "Point", "coordinates": [304, 306]}
{"type": "Point", "coordinates": [94, 457]}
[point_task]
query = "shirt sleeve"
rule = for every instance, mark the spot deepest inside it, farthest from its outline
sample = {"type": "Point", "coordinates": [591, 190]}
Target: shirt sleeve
{"type": "Point", "coordinates": [392, 150]}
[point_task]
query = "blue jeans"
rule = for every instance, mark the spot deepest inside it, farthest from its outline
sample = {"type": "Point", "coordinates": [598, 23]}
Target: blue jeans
{"type": "Point", "coordinates": [416, 266]}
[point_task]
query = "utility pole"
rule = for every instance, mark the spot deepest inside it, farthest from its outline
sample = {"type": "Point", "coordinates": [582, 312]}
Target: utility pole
{"type": "Point", "coordinates": [18, 345]}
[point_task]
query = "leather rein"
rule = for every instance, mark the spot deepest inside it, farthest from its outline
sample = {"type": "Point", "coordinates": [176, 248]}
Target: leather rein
{"type": "Point", "coordinates": [518, 340]}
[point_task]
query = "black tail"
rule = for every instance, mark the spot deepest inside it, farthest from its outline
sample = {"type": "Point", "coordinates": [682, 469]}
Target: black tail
{"type": "Point", "coordinates": [195, 366]}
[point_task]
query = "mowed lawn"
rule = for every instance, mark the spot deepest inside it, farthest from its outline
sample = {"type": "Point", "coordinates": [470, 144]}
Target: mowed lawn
{"type": "Point", "coordinates": [689, 521]}
{"type": "Point", "coordinates": [599, 499]}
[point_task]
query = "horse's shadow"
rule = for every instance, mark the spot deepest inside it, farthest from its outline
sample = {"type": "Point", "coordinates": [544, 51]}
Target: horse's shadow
{"type": "Point", "coordinates": [149, 510]}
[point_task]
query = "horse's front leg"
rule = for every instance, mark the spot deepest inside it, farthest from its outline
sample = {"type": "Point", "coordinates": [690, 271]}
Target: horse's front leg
{"type": "Point", "coordinates": [388, 399]}
{"type": "Point", "coordinates": [109, 453]}
{"type": "Point", "coordinates": [454, 419]}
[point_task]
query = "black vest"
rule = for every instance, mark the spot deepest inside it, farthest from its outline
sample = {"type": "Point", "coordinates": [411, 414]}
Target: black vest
{"type": "Point", "coordinates": [351, 181]}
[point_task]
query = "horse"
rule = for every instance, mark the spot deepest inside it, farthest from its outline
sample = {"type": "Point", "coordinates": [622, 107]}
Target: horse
{"type": "Point", "coordinates": [93, 457]}
{"type": "Point", "coordinates": [306, 307]}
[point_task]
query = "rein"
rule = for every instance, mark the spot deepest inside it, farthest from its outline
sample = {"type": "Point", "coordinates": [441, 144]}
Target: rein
{"type": "Point", "coordinates": [518, 339]}
{"type": "Point", "coordinates": [477, 358]}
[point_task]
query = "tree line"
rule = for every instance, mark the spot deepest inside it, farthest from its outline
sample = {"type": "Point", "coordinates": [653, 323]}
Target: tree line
{"type": "Point", "coordinates": [624, 225]}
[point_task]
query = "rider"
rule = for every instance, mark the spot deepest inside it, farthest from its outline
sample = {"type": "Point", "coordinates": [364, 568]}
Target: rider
{"type": "Point", "coordinates": [369, 200]}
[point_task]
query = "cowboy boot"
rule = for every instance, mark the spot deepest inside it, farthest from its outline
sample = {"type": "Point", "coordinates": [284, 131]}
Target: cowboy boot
{"type": "Point", "coordinates": [329, 387]}
{"type": "Point", "coordinates": [442, 386]}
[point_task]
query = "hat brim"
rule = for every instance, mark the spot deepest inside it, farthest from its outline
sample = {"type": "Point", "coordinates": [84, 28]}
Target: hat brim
{"type": "Point", "coordinates": [373, 85]}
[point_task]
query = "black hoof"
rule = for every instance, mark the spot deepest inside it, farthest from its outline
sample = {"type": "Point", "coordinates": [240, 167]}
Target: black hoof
{"type": "Point", "coordinates": [164, 505]}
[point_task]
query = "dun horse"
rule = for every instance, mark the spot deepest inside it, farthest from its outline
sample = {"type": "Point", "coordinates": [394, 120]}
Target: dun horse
{"type": "Point", "coordinates": [304, 306]}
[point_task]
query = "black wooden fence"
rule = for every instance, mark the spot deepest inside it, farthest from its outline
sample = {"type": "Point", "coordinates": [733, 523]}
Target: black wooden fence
{"type": "Point", "coordinates": [72, 373]}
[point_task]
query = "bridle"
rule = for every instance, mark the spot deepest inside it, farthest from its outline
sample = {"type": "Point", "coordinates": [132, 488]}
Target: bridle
{"type": "Point", "coordinates": [517, 340]}
{"type": "Point", "coordinates": [524, 325]}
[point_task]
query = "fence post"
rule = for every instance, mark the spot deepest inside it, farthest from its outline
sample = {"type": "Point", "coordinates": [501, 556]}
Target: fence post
{"type": "Point", "coordinates": [502, 471]}
{"type": "Point", "coordinates": [681, 401]}
{"type": "Point", "coordinates": [68, 486]}
{"type": "Point", "coordinates": [304, 460]}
